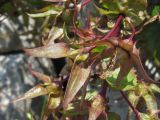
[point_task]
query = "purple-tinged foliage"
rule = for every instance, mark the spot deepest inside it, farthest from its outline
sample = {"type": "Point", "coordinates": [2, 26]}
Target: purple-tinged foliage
{"type": "Point", "coordinates": [112, 56]}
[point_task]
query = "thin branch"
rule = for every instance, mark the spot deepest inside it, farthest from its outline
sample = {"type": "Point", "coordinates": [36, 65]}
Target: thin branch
{"type": "Point", "coordinates": [130, 105]}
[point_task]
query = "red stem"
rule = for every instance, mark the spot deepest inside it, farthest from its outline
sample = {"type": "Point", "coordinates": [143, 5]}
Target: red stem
{"type": "Point", "coordinates": [130, 105]}
{"type": "Point", "coordinates": [114, 29]}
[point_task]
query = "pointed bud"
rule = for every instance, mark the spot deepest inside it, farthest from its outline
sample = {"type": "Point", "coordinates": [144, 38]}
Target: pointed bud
{"type": "Point", "coordinates": [32, 93]}
{"type": "Point", "coordinates": [43, 77]}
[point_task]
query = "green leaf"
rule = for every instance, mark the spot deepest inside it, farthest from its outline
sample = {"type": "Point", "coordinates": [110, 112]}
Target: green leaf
{"type": "Point", "coordinates": [144, 116]}
{"type": "Point", "coordinates": [150, 102]}
{"type": "Point", "coordinates": [112, 5]}
{"type": "Point", "coordinates": [99, 49]}
{"type": "Point", "coordinates": [131, 8]}
{"type": "Point", "coordinates": [44, 14]}
{"type": "Point", "coordinates": [156, 10]}
{"type": "Point", "coordinates": [106, 12]}
{"type": "Point", "coordinates": [128, 83]}
{"type": "Point", "coordinates": [154, 88]}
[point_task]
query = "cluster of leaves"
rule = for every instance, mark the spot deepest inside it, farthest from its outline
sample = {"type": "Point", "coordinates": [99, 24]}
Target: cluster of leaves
{"type": "Point", "coordinates": [98, 48]}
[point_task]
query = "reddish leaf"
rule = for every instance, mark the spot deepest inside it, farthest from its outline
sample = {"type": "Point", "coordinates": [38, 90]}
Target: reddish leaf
{"type": "Point", "coordinates": [43, 77]}
{"type": "Point", "coordinates": [57, 50]}
{"type": "Point", "coordinates": [78, 77]}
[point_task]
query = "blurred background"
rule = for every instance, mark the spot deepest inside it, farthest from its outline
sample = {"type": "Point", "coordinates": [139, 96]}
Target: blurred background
{"type": "Point", "coordinates": [18, 31]}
